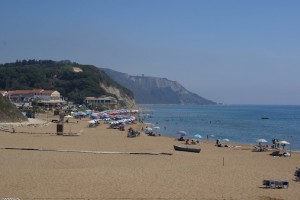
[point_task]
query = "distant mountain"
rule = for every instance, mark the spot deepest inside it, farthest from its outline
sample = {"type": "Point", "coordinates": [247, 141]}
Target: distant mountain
{"type": "Point", "coordinates": [153, 90]}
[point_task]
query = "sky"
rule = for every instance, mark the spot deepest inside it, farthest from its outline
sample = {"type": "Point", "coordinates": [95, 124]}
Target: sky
{"type": "Point", "coordinates": [231, 52]}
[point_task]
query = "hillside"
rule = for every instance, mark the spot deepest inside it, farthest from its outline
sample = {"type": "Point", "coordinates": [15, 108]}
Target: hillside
{"type": "Point", "coordinates": [153, 90]}
{"type": "Point", "coordinates": [72, 80]}
{"type": "Point", "coordinates": [9, 112]}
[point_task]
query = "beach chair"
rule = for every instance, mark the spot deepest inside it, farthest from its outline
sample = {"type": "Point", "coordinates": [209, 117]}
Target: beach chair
{"type": "Point", "coordinates": [266, 183]}
{"type": "Point", "coordinates": [275, 184]}
{"type": "Point", "coordinates": [285, 184]}
{"type": "Point", "coordinates": [272, 184]}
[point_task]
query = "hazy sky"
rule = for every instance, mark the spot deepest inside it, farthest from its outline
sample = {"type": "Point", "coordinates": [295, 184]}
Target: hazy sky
{"type": "Point", "coordinates": [234, 52]}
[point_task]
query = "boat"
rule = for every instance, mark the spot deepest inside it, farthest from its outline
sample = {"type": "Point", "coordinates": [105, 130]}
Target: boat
{"type": "Point", "coordinates": [188, 149]}
{"type": "Point", "coordinates": [264, 117]}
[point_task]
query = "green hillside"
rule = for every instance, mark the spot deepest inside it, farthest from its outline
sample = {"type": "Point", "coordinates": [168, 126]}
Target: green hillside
{"type": "Point", "coordinates": [61, 76]}
{"type": "Point", "coordinates": [9, 112]}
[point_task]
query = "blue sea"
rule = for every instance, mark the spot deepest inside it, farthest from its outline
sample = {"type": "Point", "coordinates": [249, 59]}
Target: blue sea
{"type": "Point", "coordinates": [236, 123]}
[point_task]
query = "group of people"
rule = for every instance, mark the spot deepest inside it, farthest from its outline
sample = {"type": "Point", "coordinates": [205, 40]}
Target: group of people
{"type": "Point", "coordinates": [275, 144]}
{"type": "Point", "coordinates": [191, 142]}
{"type": "Point", "coordinates": [132, 133]}
{"type": "Point", "coordinates": [218, 144]}
{"type": "Point", "coordinates": [188, 141]}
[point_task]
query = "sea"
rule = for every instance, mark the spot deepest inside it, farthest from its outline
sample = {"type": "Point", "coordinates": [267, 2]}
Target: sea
{"type": "Point", "coordinates": [234, 123]}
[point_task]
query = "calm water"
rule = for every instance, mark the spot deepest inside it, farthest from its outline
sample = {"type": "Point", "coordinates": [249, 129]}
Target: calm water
{"type": "Point", "coordinates": [238, 123]}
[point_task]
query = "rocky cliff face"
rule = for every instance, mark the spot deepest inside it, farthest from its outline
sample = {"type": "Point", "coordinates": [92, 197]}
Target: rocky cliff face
{"type": "Point", "coordinates": [123, 99]}
{"type": "Point", "coordinates": [153, 90]}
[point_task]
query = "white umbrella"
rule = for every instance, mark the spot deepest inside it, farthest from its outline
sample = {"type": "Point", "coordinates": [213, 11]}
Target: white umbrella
{"type": "Point", "coordinates": [226, 140]}
{"type": "Point", "coordinates": [283, 142]}
{"type": "Point", "coordinates": [261, 141]}
{"type": "Point", "coordinates": [156, 127]}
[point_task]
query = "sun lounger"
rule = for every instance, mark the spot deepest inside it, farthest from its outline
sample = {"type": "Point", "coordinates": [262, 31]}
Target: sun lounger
{"type": "Point", "coordinates": [275, 184]}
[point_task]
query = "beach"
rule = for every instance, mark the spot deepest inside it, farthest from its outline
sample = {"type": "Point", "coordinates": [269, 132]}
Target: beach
{"type": "Point", "coordinates": [102, 164]}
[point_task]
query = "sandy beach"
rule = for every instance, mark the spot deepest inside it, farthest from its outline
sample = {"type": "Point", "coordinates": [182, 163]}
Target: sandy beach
{"type": "Point", "coordinates": [214, 173]}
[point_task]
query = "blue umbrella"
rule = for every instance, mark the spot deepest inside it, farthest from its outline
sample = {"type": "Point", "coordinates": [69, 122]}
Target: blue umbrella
{"type": "Point", "coordinates": [198, 136]}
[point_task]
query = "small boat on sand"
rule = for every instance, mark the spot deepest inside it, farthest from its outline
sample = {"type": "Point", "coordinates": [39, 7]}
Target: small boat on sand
{"type": "Point", "coordinates": [188, 149]}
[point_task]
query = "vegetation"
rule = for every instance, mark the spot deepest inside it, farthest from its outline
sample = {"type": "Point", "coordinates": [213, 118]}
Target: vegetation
{"type": "Point", "coordinates": [60, 76]}
{"type": "Point", "coordinates": [9, 112]}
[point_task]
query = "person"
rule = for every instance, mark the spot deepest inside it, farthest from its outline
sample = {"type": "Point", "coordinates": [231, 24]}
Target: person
{"type": "Point", "coordinates": [286, 154]}
{"type": "Point", "coordinates": [181, 139]}
{"type": "Point", "coordinates": [193, 142]}
{"type": "Point", "coordinates": [217, 142]}
{"type": "Point", "coordinates": [187, 141]}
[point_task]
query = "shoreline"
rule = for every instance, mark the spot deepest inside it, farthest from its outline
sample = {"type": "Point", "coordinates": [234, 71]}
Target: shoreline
{"type": "Point", "coordinates": [242, 130]}
{"type": "Point", "coordinates": [42, 122]}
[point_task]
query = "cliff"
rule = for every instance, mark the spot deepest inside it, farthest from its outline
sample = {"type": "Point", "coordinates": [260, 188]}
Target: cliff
{"type": "Point", "coordinates": [153, 90]}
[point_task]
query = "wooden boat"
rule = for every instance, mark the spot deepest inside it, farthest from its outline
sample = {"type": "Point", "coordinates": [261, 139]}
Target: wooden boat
{"type": "Point", "coordinates": [188, 149]}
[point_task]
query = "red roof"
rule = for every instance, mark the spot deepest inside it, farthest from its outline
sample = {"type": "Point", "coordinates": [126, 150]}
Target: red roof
{"type": "Point", "coordinates": [34, 91]}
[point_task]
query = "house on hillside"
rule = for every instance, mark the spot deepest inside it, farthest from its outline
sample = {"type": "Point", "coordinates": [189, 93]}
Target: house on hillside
{"type": "Point", "coordinates": [41, 96]}
{"type": "Point", "coordinates": [100, 101]}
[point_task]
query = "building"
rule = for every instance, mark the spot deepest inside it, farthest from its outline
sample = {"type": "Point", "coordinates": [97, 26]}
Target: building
{"type": "Point", "coordinates": [40, 96]}
{"type": "Point", "coordinates": [100, 100]}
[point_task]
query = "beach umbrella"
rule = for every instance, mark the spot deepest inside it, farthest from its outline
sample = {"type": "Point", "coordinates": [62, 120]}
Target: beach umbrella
{"type": "Point", "coordinates": [261, 140]}
{"type": "Point", "coordinates": [283, 143]}
{"type": "Point", "coordinates": [198, 136]}
{"type": "Point", "coordinates": [94, 116]}
{"type": "Point", "coordinates": [156, 128]}
{"type": "Point", "coordinates": [226, 140]}
{"type": "Point", "coordinates": [182, 133]}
